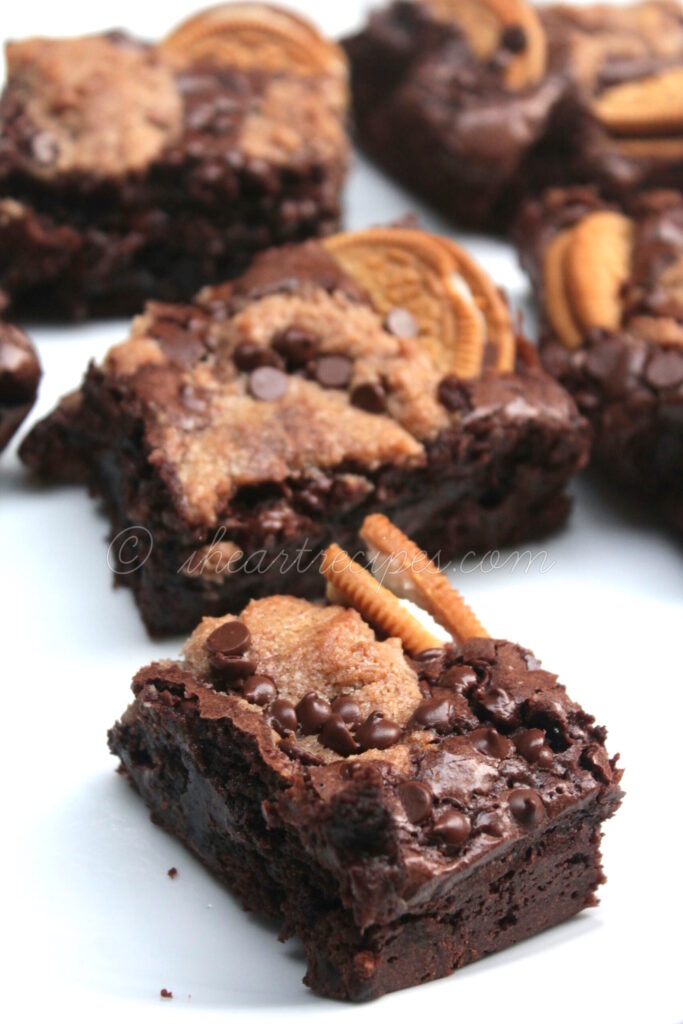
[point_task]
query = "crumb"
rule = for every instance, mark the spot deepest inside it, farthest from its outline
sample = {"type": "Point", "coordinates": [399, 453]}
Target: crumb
{"type": "Point", "coordinates": [165, 994]}
{"type": "Point", "coordinates": [172, 872]}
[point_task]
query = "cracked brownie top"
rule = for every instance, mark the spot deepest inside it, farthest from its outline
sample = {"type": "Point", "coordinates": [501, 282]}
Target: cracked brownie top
{"type": "Point", "coordinates": [244, 82]}
{"type": "Point", "coordinates": [456, 748]}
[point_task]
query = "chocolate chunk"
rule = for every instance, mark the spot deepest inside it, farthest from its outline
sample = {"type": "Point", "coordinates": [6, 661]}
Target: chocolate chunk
{"type": "Point", "coordinates": [513, 38]}
{"type": "Point", "coordinates": [312, 712]}
{"type": "Point", "coordinates": [267, 383]}
{"type": "Point", "coordinates": [527, 807]}
{"type": "Point", "coordinates": [336, 735]}
{"type": "Point", "coordinates": [401, 323]}
{"type": "Point", "coordinates": [498, 704]}
{"type": "Point", "coordinates": [248, 356]}
{"type": "Point", "coordinates": [282, 716]}
{"type": "Point", "coordinates": [417, 801]}
{"type": "Point", "coordinates": [369, 397]}
{"type": "Point", "coordinates": [230, 638]}
{"type": "Point", "coordinates": [378, 732]}
{"type": "Point", "coordinates": [452, 394]}
{"type": "Point", "coordinates": [259, 690]}
{"type": "Point", "coordinates": [231, 669]}
{"type": "Point", "coordinates": [595, 759]}
{"type": "Point", "coordinates": [295, 345]}
{"type": "Point", "coordinates": [348, 709]}
{"type": "Point", "coordinates": [452, 828]}
{"type": "Point", "coordinates": [333, 371]}
{"type": "Point", "coordinates": [459, 677]}
{"type": "Point", "coordinates": [435, 713]}
{"type": "Point", "coordinates": [488, 741]}
{"type": "Point", "coordinates": [532, 746]}
{"type": "Point", "coordinates": [665, 369]}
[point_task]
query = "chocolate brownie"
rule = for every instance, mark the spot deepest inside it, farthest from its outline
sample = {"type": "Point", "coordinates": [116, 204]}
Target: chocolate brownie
{"type": "Point", "coordinates": [19, 379]}
{"type": "Point", "coordinates": [242, 432]}
{"type": "Point", "coordinates": [476, 104]}
{"type": "Point", "coordinates": [402, 809]}
{"type": "Point", "coordinates": [609, 284]}
{"type": "Point", "coordinates": [131, 171]}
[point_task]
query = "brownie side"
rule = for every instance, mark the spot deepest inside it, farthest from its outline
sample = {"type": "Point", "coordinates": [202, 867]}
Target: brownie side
{"type": "Point", "coordinates": [627, 382]}
{"type": "Point", "coordinates": [20, 374]}
{"type": "Point", "coordinates": [86, 234]}
{"type": "Point", "coordinates": [330, 845]}
{"type": "Point", "coordinates": [440, 120]}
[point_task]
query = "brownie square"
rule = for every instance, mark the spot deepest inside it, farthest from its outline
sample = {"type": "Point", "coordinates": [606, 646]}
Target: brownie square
{"type": "Point", "coordinates": [403, 811]}
{"type": "Point", "coordinates": [477, 106]}
{"type": "Point", "coordinates": [609, 284]}
{"type": "Point", "coordinates": [20, 374]}
{"type": "Point", "coordinates": [131, 170]}
{"type": "Point", "coordinates": [232, 438]}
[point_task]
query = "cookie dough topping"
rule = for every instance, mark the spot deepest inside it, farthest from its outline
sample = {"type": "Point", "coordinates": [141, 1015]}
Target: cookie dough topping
{"type": "Point", "coordinates": [443, 297]}
{"type": "Point", "coordinates": [507, 24]}
{"type": "Point", "coordinates": [253, 35]}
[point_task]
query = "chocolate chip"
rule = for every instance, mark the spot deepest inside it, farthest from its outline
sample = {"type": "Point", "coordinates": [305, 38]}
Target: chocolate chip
{"type": "Point", "coordinates": [452, 828]}
{"type": "Point", "coordinates": [230, 669]}
{"type": "Point", "coordinates": [513, 38]}
{"type": "Point", "coordinates": [532, 746]}
{"type": "Point", "coordinates": [498, 704]}
{"type": "Point", "coordinates": [435, 713]}
{"type": "Point", "coordinates": [452, 394]}
{"type": "Point", "coordinates": [230, 638]}
{"type": "Point", "coordinates": [527, 807]}
{"type": "Point", "coordinates": [333, 371]}
{"type": "Point", "coordinates": [295, 345]}
{"type": "Point", "coordinates": [429, 664]}
{"type": "Point", "coordinates": [267, 383]}
{"type": "Point", "coordinates": [417, 801]}
{"type": "Point", "coordinates": [401, 323]}
{"type": "Point", "coordinates": [336, 735]}
{"type": "Point", "coordinates": [378, 732]}
{"type": "Point", "coordinates": [369, 397]}
{"type": "Point", "coordinates": [489, 741]}
{"type": "Point", "coordinates": [282, 716]}
{"type": "Point", "coordinates": [460, 677]}
{"type": "Point", "coordinates": [249, 356]}
{"type": "Point", "coordinates": [312, 712]}
{"type": "Point", "coordinates": [259, 690]}
{"type": "Point", "coordinates": [348, 709]}
{"type": "Point", "coordinates": [665, 370]}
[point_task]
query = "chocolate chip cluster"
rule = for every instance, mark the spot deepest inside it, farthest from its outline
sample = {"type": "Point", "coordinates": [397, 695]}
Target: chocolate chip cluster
{"type": "Point", "coordinates": [295, 351]}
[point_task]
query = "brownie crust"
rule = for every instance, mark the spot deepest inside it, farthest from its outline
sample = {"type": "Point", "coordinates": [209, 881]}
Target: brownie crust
{"type": "Point", "coordinates": [348, 852]}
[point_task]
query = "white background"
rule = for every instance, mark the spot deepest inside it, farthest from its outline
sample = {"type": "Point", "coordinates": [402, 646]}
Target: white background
{"type": "Point", "coordinates": [91, 922]}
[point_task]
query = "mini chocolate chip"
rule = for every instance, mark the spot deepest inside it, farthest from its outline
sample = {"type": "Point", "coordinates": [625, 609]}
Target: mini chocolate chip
{"type": "Point", "coordinates": [333, 371]}
{"type": "Point", "coordinates": [452, 828]}
{"type": "Point", "coordinates": [532, 746]}
{"type": "Point", "coordinates": [231, 668]}
{"type": "Point", "coordinates": [248, 356]}
{"type": "Point", "coordinates": [282, 716]}
{"type": "Point", "coordinates": [267, 383]}
{"type": "Point", "coordinates": [513, 38]}
{"type": "Point", "coordinates": [435, 713]}
{"type": "Point", "coordinates": [417, 801]}
{"type": "Point", "coordinates": [527, 807]}
{"type": "Point", "coordinates": [369, 397]}
{"type": "Point", "coordinates": [312, 712]}
{"type": "Point", "coordinates": [460, 677]}
{"type": "Point", "coordinates": [452, 394]}
{"type": "Point", "coordinates": [295, 345]}
{"type": "Point", "coordinates": [230, 638]}
{"type": "Point", "coordinates": [336, 735]}
{"type": "Point", "coordinates": [378, 732]}
{"type": "Point", "coordinates": [348, 709]}
{"type": "Point", "coordinates": [401, 323]}
{"type": "Point", "coordinates": [489, 741]}
{"type": "Point", "coordinates": [259, 690]}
